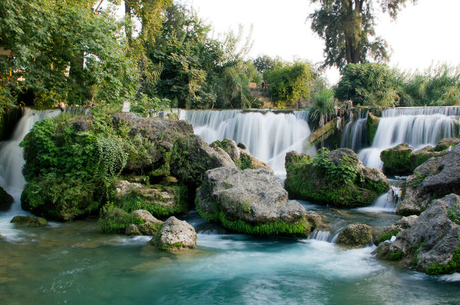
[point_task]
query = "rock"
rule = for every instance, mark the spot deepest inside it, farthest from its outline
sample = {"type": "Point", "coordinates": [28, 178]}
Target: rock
{"type": "Point", "coordinates": [192, 157]}
{"type": "Point", "coordinates": [6, 200]}
{"type": "Point", "coordinates": [165, 199]}
{"type": "Point", "coordinates": [402, 160]}
{"type": "Point", "coordinates": [394, 229]}
{"type": "Point", "coordinates": [430, 243]}
{"type": "Point", "coordinates": [150, 226]}
{"type": "Point", "coordinates": [132, 229]}
{"type": "Point", "coordinates": [438, 176]}
{"type": "Point", "coordinates": [335, 178]}
{"type": "Point", "coordinates": [115, 220]}
{"type": "Point", "coordinates": [358, 235]}
{"type": "Point", "coordinates": [445, 143]}
{"type": "Point", "coordinates": [241, 155]}
{"type": "Point", "coordinates": [175, 235]}
{"type": "Point", "coordinates": [372, 126]}
{"type": "Point", "coordinates": [80, 125]}
{"type": "Point", "coordinates": [30, 221]}
{"type": "Point", "coordinates": [251, 201]}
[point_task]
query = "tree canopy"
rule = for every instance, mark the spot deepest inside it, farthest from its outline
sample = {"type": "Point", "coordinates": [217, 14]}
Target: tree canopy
{"type": "Point", "coordinates": [348, 29]}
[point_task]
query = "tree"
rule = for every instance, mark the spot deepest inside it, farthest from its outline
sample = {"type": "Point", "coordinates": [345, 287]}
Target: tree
{"type": "Point", "coordinates": [62, 51]}
{"type": "Point", "coordinates": [347, 27]}
{"type": "Point", "coordinates": [369, 84]}
{"type": "Point", "coordinates": [289, 82]}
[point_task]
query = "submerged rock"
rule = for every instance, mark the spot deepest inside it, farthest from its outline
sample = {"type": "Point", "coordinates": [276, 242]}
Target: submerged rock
{"type": "Point", "coordinates": [30, 221]}
{"type": "Point", "coordinates": [431, 242]}
{"type": "Point", "coordinates": [436, 177]}
{"type": "Point", "coordinates": [241, 155]}
{"type": "Point", "coordinates": [337, 178]}
{"type": "Point", "coordinates": [6, 200]}
{"type": "Point", "coordinates": [357, 235]}
{"type": "Point", "coordinates": [175, 235]}
{"type": "Point", "coordinates": [251, 201]}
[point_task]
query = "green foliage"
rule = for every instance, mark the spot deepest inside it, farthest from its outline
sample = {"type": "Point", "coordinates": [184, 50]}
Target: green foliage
{"type": "Point", "coordinates": [387, 236]}
{"type": "Point", "coordinates": [454, 214]}
{"type": "Point", "coordinates": [289, 82]}
{"type": "Point", "coordinates": [149, 107]}
{"type": "Point", "coordinates": [438, 86]}
{"type": "Point", "coordinates": [63, 52]}
{"type": "Point", "coordinates": [343, 173]}
{"type": "Point", "coordinates": [347, 27]}
{"type": "Point", "coordinates": [368, 84]}
{"type": "Point", "coordinates": [115, 220]}
{"type": "Point", "coordinates": [452, 266]}
{"type": "Point", "coordinates": [395, 256]}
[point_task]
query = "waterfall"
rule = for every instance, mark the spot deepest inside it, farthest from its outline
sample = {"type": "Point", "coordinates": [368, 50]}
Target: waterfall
{"type": "Point", "coordinates": [12, 161]}
{"type": "Point", "coordinates": [386, 203]}
{"type": "Point", "coordinates": [268, 136]}
{"type": "Point", "coordinates": [321, 235]}
{"type": "Point", "coordinates": [418, 127]}
{"type": "Point", "coordinates": [354, 134]}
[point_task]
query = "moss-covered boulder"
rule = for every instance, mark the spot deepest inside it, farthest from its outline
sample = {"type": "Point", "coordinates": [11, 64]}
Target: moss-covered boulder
{"type": "Point", "coordinates": [169, 197]}
{"type": "Point", "coordinates": [357, 235]}
{"type": "Point", "coordinates": [337, 178]}
{"type": "Point", "coordinates": [192, 157]}
{"type": "Point", "coordinates": [175, 235]}
{"type": "Point", "coordinates": [59, 198]}
{"type": "Point", "coordinates": [437, 177]}
{"type": "Point", "coordinates": [251, 201]}
{"type": "Point", "coordinates": [6, 200]}
{"type": "Point", "coordinates": [430, 242]}
{"type": "Point", "coordinates": [240, 155]}
{"type": "Point", "coordinates": [402, 160]}
{"type": "Point", "coordinates": [30, 221]}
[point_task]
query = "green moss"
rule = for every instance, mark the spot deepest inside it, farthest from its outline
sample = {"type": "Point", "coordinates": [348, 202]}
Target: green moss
{"type": "Point", "coordinates": [372, 126]}
{"type": "Point", "coordinates": [30, 221]}
{"type": "Point", "coordinates": [395, 256]}
{"type": "Point", "coordinates": [244, 162]}
{"type": "Point", "coordinates": [388, 236]}
{"type": "Point", "coordinates": [452, 266]}
{"type": "Point", "coordinates": [115, 220]}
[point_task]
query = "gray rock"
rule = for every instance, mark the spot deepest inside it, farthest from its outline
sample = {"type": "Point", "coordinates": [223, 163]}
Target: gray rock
{"type": "Point", "coordinates": [431, 241]}
{"type": "Point", "coordinates": [357, 235]}
{"type": "Point", "coordinates": [132, 229]}
{"type": "Point", "coordinates": [250, 201]}
{"type": "Point", "coordinates": [438, 175]}
{"type": "Point", "coordinates": [175, 235]}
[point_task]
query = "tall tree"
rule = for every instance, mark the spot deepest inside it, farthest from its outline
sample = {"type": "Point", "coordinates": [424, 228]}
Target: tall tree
{"type": "Point", "coordinates": [347, 27]}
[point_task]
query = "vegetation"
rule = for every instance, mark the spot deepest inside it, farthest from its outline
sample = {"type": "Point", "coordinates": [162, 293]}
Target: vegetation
{"type": "Point", "coordinates": [323, 106]}
{"type": "Point", "coordinates": [348, 26]}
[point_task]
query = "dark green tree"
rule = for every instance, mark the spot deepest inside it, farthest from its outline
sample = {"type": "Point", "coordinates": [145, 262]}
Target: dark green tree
{"type": "Point", "coordinates": [348, 29]}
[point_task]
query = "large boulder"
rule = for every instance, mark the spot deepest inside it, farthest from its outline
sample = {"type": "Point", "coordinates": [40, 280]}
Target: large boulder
{"type": "Point", "coordinates": [150, 226]}
{"type": "Point", "coordinates": [30, 221]}
{"type": "Point", "coordinates": [241, 155]}
{"type": "Point", "coordinates": [402, 159]}
{"type": "Point", "coordinates": [192, 157]}
{"type": "Point", "coordinates": [438, 176]}
{"type": "Point", "coordinates": [251, 201]}
{"type": "Point", "coordinates": [337, 178]}
{"type": "Point", "coordinates": [431, 242]}
{"type": "Point", "coordinates": [357, 235]}
{"type": "Point", "coordinates": [175, 235]}
{"type": "Point", "coordinates": [6, 200]}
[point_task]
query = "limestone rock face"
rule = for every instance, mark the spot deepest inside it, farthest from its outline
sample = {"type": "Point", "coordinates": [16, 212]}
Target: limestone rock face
{"type": "Point", "coordinates": [358, 235]}
{"type": "Point", "coordinates": [250, 201]}
{"type": "Point", "coordinates": [192, 157]}
{"type": "Point", "coordinates": [337, 178]}
{"type": "Point", "coordinates": [241, 155]}
{"type": "Point", "coordinates": [430, 242]}
{"type": "Point", "coordinates": [175, 235]}
{"type": "Point", "coordinates": [440, 176]}
{"type": "Point", "coordinates": [30, 221]}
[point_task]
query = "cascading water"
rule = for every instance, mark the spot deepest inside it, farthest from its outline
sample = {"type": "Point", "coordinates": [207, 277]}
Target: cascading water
{"type": "Point", "coordinates": [418, 127]}
{"type": "Point", "coordinates": [354, 134]}
{"type": "Point", "coordinates": [12, 161]}
{"type": "Point", "coordinates": [267, 135]}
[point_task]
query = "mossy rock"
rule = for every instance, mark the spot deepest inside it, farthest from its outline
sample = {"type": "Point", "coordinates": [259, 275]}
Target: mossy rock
{"type": "Point", "coordinates": [372, 126]}
{"type": "Point", "coordinates": [115, 220]}
{"type": "Point", "coordinates": [338, 179]}
{"type": "Point", "coordinates": [358, 235]}
{"type": "Point", "coordinates": [30, 221]}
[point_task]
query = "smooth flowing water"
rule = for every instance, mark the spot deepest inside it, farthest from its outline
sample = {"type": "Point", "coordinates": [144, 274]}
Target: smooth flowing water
{"type": "Point", "coordinates": [267, 135]}
{"type": "Point", "coordinates": [74, 263]}
{"type": "Point", "coordinates": [418, 127]}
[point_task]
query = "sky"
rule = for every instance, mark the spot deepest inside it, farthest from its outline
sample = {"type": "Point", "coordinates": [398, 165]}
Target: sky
{"type": "Point", "coordinates": [423, 34]}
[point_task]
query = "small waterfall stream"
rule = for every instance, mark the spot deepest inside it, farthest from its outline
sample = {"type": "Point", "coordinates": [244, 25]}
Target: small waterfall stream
{"type": "Point", "coordinates": [268, 136]}
{"type": "Point", "coordinates": [418, 127]}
